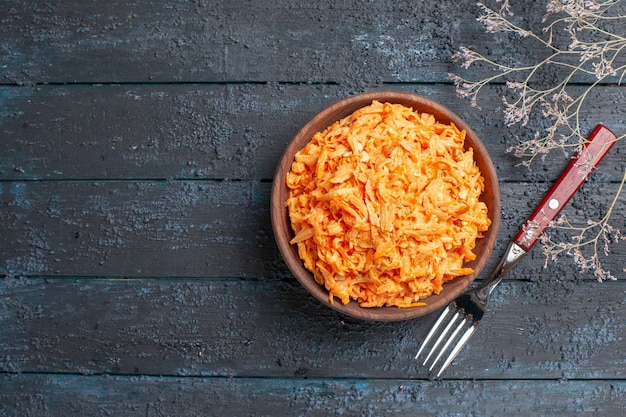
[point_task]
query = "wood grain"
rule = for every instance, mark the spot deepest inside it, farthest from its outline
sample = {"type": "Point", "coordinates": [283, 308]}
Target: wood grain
{"type": "Point", "coordinates": [217, 41]}
{"type": "Point", "coordinates": [158, 396]}
{"type": "Point", "coordinates": [224, 131]}
{"type": "Point", "coordinates": [210, 229]}
{"type": "Point", "coordinates": [138, 270]}
{"type": "Point", "coordinates": [132, 228]}
{"type": "Point", "coordinates": [265, 328]}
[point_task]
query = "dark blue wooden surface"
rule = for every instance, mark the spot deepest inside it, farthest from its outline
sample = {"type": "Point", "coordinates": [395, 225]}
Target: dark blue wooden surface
{"type": "Point", "coordinates": [139, 271]}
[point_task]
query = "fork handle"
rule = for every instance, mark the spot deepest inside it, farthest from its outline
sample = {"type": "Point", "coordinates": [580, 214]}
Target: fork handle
{"type": "Point", "coordinates": [566, 185]}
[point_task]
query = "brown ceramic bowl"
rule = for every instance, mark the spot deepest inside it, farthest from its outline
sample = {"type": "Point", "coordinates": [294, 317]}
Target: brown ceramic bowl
{"type": "Point", "coordinates": [284, 233]}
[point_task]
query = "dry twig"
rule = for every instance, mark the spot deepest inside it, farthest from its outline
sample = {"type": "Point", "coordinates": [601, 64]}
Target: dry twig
{"type": "Point", "coordinates": [590, 50]}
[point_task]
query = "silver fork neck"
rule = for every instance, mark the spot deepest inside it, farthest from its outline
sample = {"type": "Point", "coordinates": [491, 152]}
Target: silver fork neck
{"type": "Point", "coordinates": [514, 253]}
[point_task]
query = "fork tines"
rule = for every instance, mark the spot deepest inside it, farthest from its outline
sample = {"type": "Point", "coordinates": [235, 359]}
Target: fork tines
{"type": "Point", "coordinates": [458, 327]}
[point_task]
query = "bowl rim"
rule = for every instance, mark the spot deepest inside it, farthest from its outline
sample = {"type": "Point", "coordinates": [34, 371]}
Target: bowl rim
{"type": "Point", "coordinates": [280, 217]}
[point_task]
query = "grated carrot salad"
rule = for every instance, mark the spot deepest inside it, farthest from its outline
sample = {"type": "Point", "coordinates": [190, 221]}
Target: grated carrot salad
{"type": "Point", "coordinates": [385, 206]}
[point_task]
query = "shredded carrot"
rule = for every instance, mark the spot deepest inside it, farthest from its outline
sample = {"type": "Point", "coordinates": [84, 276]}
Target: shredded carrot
{"type": "Point", "coordinates": [385, 206]}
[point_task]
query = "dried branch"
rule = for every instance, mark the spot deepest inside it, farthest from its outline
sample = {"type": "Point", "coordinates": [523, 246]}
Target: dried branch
{"type": "Point", "coordinates": [589, 50]}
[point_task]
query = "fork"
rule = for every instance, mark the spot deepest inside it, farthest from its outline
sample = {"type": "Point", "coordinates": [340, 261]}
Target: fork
{"type": "Point", "coordinates": [459, 320]}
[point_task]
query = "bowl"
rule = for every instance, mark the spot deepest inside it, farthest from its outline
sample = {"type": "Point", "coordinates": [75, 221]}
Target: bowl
{"type": "Point", "coordinates": [283, 232]}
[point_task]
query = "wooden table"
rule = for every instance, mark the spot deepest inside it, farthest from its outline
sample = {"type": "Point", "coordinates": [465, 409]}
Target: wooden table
{"type": "Point", "coordinates": [138, 142]}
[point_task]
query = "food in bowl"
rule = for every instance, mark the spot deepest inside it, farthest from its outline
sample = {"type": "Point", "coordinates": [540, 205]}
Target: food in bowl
{"type": "Point", "coordinates": [385, 206]}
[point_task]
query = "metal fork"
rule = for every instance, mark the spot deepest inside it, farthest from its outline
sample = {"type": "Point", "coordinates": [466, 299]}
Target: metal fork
{"type": "Point", "coordinates": [459, 320]}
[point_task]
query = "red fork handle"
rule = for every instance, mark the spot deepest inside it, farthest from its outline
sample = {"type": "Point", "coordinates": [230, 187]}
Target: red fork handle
{"type": "Point", "coordinates": [570, 180]}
